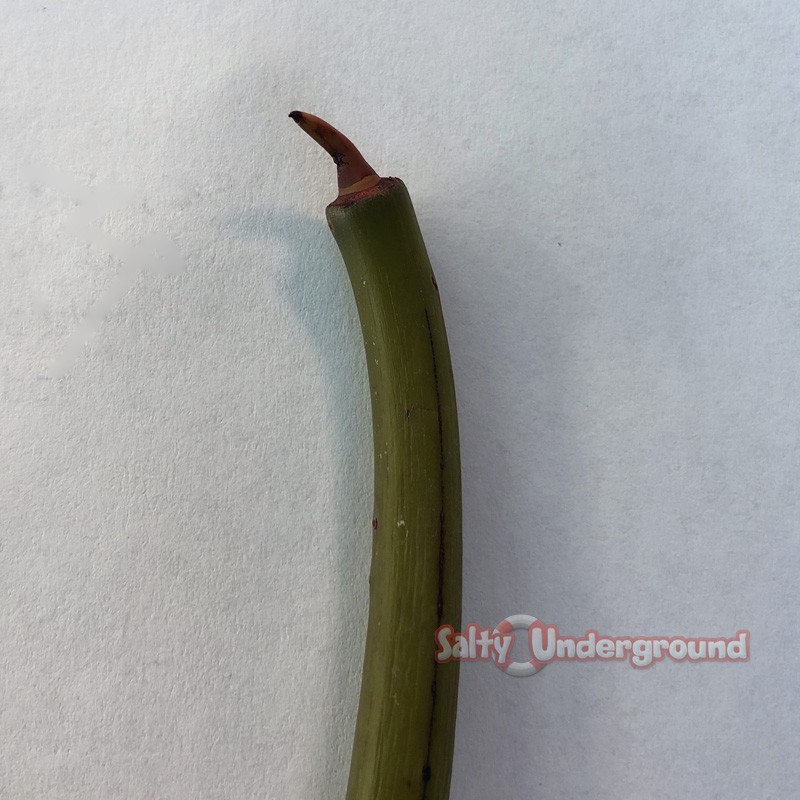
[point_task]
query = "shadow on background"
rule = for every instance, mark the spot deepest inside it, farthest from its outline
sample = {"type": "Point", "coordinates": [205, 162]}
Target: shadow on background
{"type": "Point", "coordinates": [313, 282]}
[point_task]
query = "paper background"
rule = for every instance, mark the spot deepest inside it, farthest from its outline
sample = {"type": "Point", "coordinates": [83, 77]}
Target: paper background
{"type": "Point", "coordinates": [609, 194]}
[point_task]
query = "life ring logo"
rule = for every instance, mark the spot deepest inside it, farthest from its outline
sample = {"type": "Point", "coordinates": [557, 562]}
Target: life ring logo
{"type": "Point", "coordinates": [546, 644]}
{"type": "Point", "coordinates": [519, 622]}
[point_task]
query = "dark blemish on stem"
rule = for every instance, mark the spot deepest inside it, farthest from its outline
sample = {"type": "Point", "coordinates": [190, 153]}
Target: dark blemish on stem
{"type": "Point", "coordinates": [433, 281]}
{"type": "Point", "coordinates": [374, 523]}
{"type": "Point", "coordinates": [440, 592]}
{"type": "Point", "coordinates": [440, 598]}
{"type": "Point", "coordinates": [440, 595]}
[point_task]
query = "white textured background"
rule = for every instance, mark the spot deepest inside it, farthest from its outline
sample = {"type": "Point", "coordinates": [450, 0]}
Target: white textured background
{"type": "Point", "coordinates": [609, 192]}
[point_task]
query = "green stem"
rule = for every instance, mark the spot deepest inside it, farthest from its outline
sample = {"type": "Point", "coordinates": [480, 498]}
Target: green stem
{"type": "Point", "coordinates": [405, 727]}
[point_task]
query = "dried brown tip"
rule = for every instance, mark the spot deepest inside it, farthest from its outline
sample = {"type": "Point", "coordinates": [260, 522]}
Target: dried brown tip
{"type": "Point", "coordinates": [353, 172]}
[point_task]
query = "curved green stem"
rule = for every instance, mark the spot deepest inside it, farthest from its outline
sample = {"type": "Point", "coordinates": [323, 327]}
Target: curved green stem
{"type": "Point", "coordinates": [405, 727]}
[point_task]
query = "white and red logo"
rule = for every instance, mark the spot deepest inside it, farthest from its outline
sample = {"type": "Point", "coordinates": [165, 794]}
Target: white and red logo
{"type": "Point", "coordinates": [546, 644]}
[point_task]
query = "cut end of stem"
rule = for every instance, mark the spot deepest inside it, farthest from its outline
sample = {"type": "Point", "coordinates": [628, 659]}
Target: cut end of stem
{"type": "Point", "coordinates": [353, 172]}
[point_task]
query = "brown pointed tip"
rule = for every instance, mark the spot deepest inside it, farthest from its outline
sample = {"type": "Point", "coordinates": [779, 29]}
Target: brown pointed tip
{"type": "Point", "coordinates": [353, 172]}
